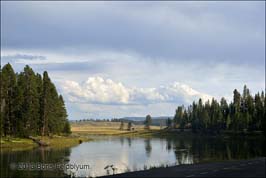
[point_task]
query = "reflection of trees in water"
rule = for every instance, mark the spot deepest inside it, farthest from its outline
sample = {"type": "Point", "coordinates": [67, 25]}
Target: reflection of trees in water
{"type": "Point", "coordinates": [38, 155]}
{"type": "Point", "coordinates": [148, 147]}
{"type": "Point", "coordinates": [121, 140]}
{"type": "Point", "coordinates": [226, 149]}
{"type": "Point", "coordinates": [168, 144]}
{"type": "Point", "coordinates": [245, 148]}
{"type": "Point", "coordinates": [182, 152]}
{"type": "Point", "coordinates": [129, 141]}
{"type": "Point", "coordinates": [196, 149]}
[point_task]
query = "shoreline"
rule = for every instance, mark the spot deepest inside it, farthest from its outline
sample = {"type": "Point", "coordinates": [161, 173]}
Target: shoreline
{"type": "Point", "coordinates": [233, 168]}
{"type": "Point", "coordinates": [165, 133]}
{"type": "Point", "coordinates": [56, 142]}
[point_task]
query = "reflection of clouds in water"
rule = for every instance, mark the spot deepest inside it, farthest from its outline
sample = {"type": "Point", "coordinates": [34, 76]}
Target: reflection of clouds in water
{"type": "Point", "coordinates": [122, 164]}
{"type": "Point", "coordinates": [158, 154]}
{"type": "Point", "coordinates": [98, 155]}
{"type": "Point", "coordinates": [134, 155]}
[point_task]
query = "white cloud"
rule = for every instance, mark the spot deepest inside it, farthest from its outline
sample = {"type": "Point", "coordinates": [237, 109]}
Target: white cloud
{"type": "Point", "coordinates": [182, 92]}
{"type": "Point", "coordinates": [106, 91]}
{"type": "Point", "coordinates": [97, 90]}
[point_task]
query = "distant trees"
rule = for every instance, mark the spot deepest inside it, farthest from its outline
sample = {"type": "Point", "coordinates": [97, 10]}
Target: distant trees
{"type": "Point", "coordinates": [122, 125]}
{"type": "Point", "coordinates": [30, 104]}
{"type": "Point", "coordinates": [245, 112]}
{"type": "Point", "coordinates": [179, 117]}
{"type": "Point", "coordinates": [148, 122]}
{"type": "Point", "coordinates": [129, 126]}
{"type": "Point", "coordinates": [169, 123]}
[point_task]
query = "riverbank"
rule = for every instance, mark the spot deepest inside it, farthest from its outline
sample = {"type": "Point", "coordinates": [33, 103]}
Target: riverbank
{"type": "Point", "coordinates": [236, 168]}
{"type": "Point", "coordinates": [167, 133]}
{"type": "Point", "coordinates": [56, 142]}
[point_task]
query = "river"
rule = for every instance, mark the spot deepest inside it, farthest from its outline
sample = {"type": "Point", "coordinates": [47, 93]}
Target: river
{"type": "Point", "coordinates": [110, 155]}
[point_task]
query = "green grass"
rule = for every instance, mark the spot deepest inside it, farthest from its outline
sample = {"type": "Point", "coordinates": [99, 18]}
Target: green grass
{"type": "Point", "coordinates": [56, 142]}
{"type": "Point", "coordinates": [63, 142]}
{"type": "Point", "coordinates": [15, 143]}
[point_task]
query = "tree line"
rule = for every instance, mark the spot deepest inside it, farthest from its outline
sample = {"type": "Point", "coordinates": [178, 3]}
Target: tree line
{"type": "Point", "coordinates": [147, 123]}
{"type": "Point", "coordinates": [100, 120]}
{"type": "Point", "coordinates": [244, 113]}
{"type": "Point", "coordinates": [30, 104]}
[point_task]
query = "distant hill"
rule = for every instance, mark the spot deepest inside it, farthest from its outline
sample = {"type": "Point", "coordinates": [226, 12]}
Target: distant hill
{"type": "Point", "coordinates": [156, 121]}
{"type": "Point", "coordinates": [143, 118]}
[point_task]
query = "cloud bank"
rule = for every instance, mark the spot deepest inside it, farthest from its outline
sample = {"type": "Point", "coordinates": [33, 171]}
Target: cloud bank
{"type": "Point", "coordinates": [134, 52]}
{"type": "Point", "coordinates": [106, 91]}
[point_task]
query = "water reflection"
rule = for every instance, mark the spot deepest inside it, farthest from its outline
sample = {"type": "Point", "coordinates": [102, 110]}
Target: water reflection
{"type": "Point", "coordinates": [122, 140]}
{"type": "Point", "coordinates": [129, 141]}
{"type": "Point", "coordinates": [131, 154]}
{"type": "Point", "coordinates": [10, 159]}
{"type": "Point", "coordinates": [148, 147]}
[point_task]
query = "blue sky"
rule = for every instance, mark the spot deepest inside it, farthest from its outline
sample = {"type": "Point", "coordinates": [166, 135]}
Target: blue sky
{"type": "Point", "coordinates": [115, 59]}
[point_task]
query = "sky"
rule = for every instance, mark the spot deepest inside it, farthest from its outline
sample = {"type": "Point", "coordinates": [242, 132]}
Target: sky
{"type": "Point", "coordinates": [118, 59]}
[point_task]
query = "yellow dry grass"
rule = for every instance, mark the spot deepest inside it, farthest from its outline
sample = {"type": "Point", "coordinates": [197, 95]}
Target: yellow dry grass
{"type": "Point", "coordinates": [106, 128]}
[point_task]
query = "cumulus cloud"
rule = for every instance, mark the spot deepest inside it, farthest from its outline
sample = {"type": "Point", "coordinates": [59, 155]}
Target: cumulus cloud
{"type": "Point", "coordinates": [106, 91]}
{"type": "Point", "coordinates": [97, 90]}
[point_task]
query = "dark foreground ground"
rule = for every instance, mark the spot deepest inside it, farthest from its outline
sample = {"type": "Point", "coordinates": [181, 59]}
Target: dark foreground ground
{"type": "Point", "coordinates": [242, 168]}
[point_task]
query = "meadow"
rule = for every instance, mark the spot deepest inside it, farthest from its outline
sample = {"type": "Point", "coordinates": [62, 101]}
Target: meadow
{"type": "Point", "coordinates": [109, 128]}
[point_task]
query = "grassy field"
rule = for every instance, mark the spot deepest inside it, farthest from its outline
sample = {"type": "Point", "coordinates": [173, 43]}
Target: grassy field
{"type": "Point", "coordinates": [80, 131]}
{"type": "Point", "coordinates": [89, 128]}
{"type": "Point", "coordinates": [109, 128]}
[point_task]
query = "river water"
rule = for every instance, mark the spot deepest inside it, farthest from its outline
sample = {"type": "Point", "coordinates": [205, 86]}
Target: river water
{"type": "Point", "coordinates": [120, 154]}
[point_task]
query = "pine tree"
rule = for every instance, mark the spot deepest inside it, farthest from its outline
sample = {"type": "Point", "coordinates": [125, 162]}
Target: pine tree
{"type": "Point", "coordinates": [67, 128]}
{"type": "Point", "coordinates": [53, 103]}
{"type": "Point", "coordinates": [53, 112]}
{"type": "Point", "coordinates": [206, 119]}
{"type": "Point", "coordinates": [169, 123]}
{"type": "Point", "coordinates": [121, 125]}
{"type": "Point", "coordinates": [200, 113]}
{"type": "Point", "coordinates": [61, 115]}
{"type": "Point", "coordinates": [39, 83]}
{"type": "Point", "coordinates": [147, 122]}
{"type": "Point", "coordinates": [19, 108]}
{"type": "Point", "coordinates": [185, 119]}
{"type": "Point", "coordinates": [207, 115]}
{"type": "Point", "coordinates": [225, 113]}
{"type": "Point", "coordinates": [129, 126]}
{"type": "Point", "coordinates": [8, 94]}
{"type": "Point", "coordinates": [245, 117]}
{"type": "Point", "coordinates": [30, 103]}
{"type": "Point", "coordinates": [178, 118]}
{"type": "Point", "coordinates": [194, 117]}
{"type": "Point", "coordinates": [236, 121]}
{"type": "Point", "coordinates": [258, 112]}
